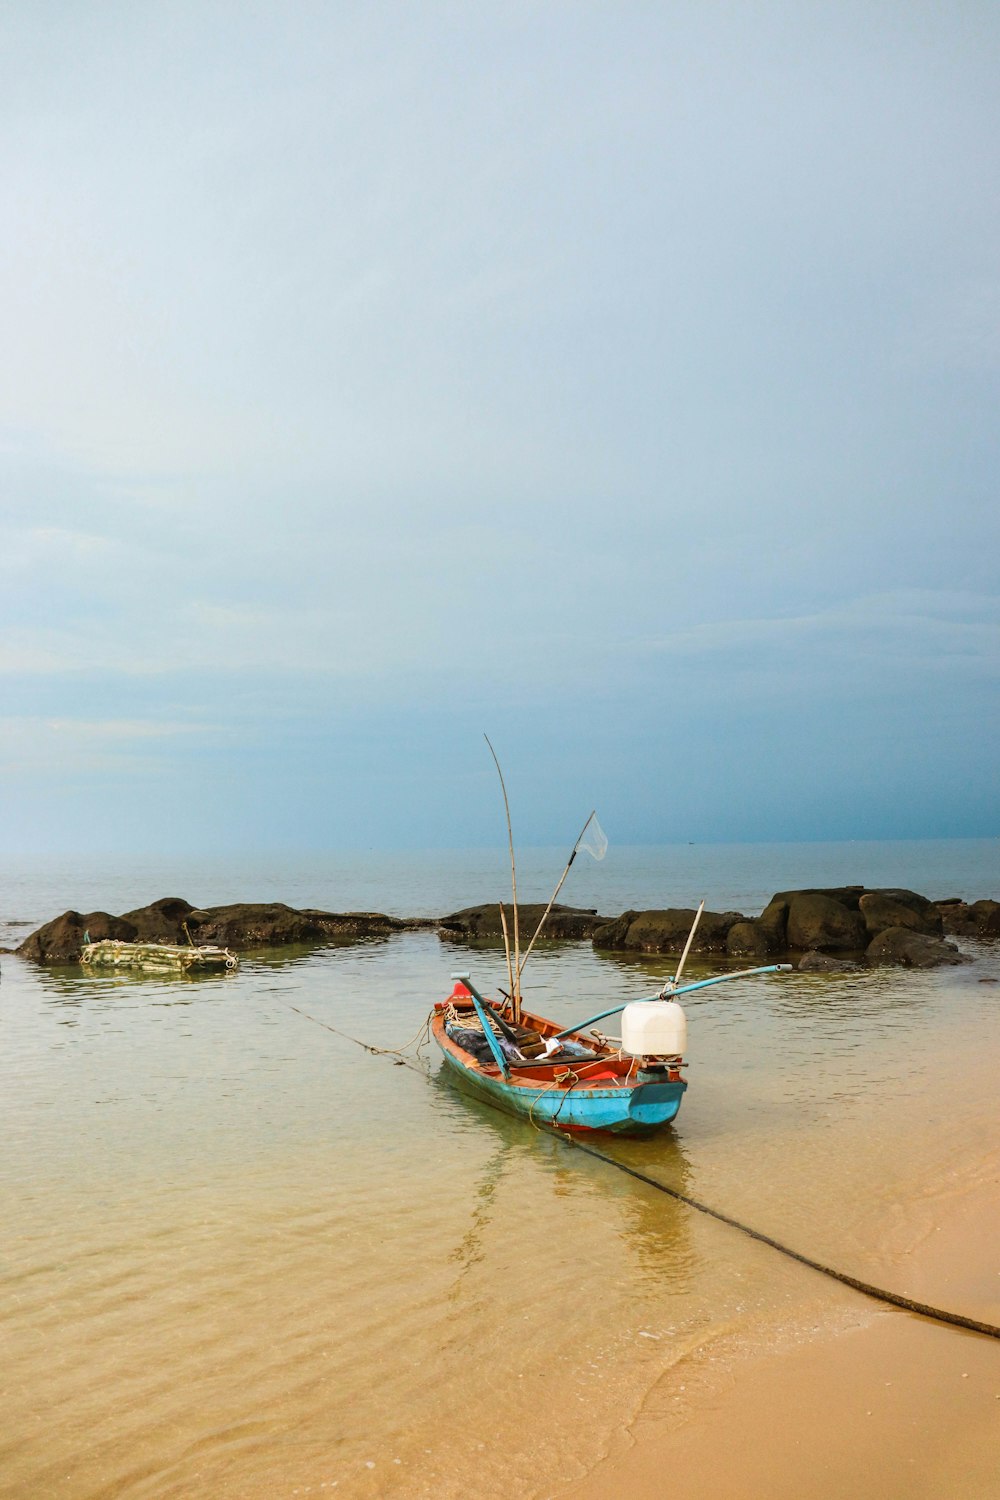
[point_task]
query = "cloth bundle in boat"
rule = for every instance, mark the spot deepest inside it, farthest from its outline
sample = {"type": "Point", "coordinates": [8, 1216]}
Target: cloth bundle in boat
{"type": "Point", "coordinates": [474, 1042]}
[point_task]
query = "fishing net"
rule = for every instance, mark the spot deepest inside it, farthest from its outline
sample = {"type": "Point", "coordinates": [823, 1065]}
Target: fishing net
{"type": "Point", "coordinates": [594, 839]}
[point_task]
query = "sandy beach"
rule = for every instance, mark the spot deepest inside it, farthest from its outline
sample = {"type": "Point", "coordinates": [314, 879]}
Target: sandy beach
{"type": "Point", "coordinates": [897, 1407]}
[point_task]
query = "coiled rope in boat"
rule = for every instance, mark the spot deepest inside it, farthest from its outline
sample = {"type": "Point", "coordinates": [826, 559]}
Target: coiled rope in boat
{"type": "Point", "coordinates": [880, 1294]}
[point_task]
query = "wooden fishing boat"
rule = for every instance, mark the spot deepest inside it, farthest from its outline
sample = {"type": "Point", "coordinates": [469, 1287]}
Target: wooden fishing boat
{"type": "Point", "coordinates": [573, 1078]}
{"type": "Point", "coordinates": [579, 1083]}
{"type": "Point", "coordinates": [156, 958]}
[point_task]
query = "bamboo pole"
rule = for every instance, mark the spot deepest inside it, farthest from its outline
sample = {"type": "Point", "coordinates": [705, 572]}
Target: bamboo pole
{"type": "Point", "coordinates": [513, 880]}
{"type": "Point", "coordinates": [687, 949]}
{"type": "Point", "coordinates": [555, 893]}
{"type": "Point", "coordinates": [515, 1008]}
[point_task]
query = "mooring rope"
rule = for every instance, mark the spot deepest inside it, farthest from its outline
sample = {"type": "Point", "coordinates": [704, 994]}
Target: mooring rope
{"type": "Point", "coordinates": [958, 1320]}
{"type": "Point", "coordinates": [420, 1037]}
{"type": "Point", "coordinates": [894, 1299]}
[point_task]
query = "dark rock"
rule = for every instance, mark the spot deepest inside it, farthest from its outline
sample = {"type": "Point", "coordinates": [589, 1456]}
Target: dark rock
{"type": "Point", "coordinates": [240, 926]}
{"type": "Point", "coordinates": [914, 950]}
{"type": "Point", "coordinates": [613, 934]}
{"type": "Point", "coordinates": [882, 909]}
{"type": "Point", "coordinates": [162, 921]}
{"type": "Point", "coordinates": [916, 903]}
{"type": "Point", "coordinates": [818, 921]}
{"type": "Point", "coordinates": [60, 941]}
{"type": "Point", "coordinates": [273, 925]}
{"type": "Point", "coordinates": [746, 940]}
{"type": "Point", "coordinates": [666, 931]}
{"type": "Point", "coordinates": [823, 963]}
{"type": "Point", "coordinates": [980, 919]}
{"type": "Point", "coordinates": [987, 917]}
{"type": "Point", "coordinates": [844, 895]}
{"type": "Point", "coordinates": [988, 979]}
{"type": "Point", "coordinates": [773, 924]}
{"type": "Point", "coordinates": [956, 918]}
{"type": "Point", "coordinates": [563, 922]}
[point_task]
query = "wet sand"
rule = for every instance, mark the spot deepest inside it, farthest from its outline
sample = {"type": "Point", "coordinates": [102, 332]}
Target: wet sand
{"type": "Point", "coordinates": [897, 1407]}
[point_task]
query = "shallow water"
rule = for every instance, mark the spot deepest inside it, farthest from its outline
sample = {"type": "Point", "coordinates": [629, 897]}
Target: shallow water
{"type": "Point", "coordinates": [242, 1256]}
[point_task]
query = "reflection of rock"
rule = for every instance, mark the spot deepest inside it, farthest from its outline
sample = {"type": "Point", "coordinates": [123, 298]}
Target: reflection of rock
{"type": "Point", "coordinates": [823, 963]}
{"type": "Point", "coordinates": [172, 920]}
{"type": "Point", "coordinates": [566, 922]}
{"type": "Point", "coordinates": [915, 950]}
{"type": "Point", "coordinates": [666, 931]}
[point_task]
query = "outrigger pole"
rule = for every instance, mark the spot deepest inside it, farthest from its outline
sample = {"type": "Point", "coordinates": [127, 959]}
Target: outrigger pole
{"type": "Point", "coordinates": [685, 989]}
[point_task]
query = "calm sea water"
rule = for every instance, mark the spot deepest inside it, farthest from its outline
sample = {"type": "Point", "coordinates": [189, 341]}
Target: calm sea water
{"type": "Point", "coordinates": [732, 877]}
{"type": "Point", "coordinates": [244, 1257]}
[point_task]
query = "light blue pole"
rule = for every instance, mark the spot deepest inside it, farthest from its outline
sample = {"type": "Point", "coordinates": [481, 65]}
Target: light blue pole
{"type": "Point", "coordinates": [703, 984]}
{"type": "Point", "coordinates": [478, 1002]}
{"type": "Point", "coordinates": [699, 984]}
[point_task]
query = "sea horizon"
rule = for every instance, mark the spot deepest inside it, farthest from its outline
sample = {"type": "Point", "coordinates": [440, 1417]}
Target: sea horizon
{"type": "Point", "coordinates": [431, 882]}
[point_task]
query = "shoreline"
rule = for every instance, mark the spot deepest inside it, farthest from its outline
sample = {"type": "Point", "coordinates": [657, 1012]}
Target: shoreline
{"type": "Point", "coordinates": [899, 1406]}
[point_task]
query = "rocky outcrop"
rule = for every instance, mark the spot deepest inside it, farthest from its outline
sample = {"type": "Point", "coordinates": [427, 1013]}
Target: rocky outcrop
{"type": "Point", "coordinates": [666, 931]}
{"type": "Point", "coordinates": [473, 923]}
{"type": "Point", "coordinates": [884, 909]}
{"type": "Point", "coordinates": [914, 950]}
{"type": "Point", "coordinates": [60, 940]}
{"type": "Point", "coordinates": [273, 925]}
{"type": "Point", "coordinates": [841, 923]}
{"type": "Point", "coordinates": [747, 940]}
{"type": "Point", "coordinates": [817, 921]}
{"type": "Point", "coordinates": [772, 924]}
{"type": "Point", "coordinates": [240, 926]}
{"type": "Point", "coordinates": [825, 928]}
{"type": "Point", "coordinates": [978, 919]}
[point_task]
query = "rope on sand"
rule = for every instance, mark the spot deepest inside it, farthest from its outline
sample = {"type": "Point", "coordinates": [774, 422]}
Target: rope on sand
{"type": "Point", "coordinates": [894, 1299]}
{"type": "Point", "coordinates": [940, 1315]}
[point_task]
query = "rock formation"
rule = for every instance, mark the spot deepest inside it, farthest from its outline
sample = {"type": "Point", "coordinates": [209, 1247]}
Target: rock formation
{"type": "Point", "coordinates": [666, 931]}
{"type": "Point", "coordinates": [239, 926]}
{"type": "Point", "coordinates": [981, 919]}
{"type": "Point", "coordinates": [823, 928]}
{"type": "Point", "coordinates": [901, 945]}
{"type": "Point", "coordinates": [475, 922]}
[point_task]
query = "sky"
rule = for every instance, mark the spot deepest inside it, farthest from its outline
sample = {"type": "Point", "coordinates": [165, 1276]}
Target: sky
{"type": "Point", "coordinates": [617, 379]}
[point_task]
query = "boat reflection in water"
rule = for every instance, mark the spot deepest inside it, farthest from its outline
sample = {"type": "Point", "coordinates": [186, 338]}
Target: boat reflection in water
{"type": "Point", "coordinates": [528, 1165]}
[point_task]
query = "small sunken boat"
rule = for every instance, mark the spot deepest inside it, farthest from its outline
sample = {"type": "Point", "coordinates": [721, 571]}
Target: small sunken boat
{"type": "Point", "coordinates": [157, 958]}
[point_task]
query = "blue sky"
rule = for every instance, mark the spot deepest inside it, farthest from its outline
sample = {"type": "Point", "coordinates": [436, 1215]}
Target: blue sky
{"type": "Point", "coordinates": [618, 379]}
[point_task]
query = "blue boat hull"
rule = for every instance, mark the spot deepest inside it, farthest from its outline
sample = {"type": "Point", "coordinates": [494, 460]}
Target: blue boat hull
{"type": "Point", "coordinates": [635, 1109]}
